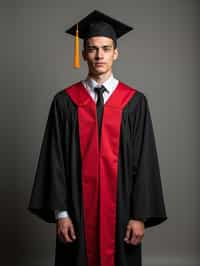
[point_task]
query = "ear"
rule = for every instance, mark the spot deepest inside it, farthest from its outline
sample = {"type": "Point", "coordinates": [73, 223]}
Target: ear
{"type": "Point", "coordinates": [84, 55]}
{"type": "Point", "coordinates": [116, 54]}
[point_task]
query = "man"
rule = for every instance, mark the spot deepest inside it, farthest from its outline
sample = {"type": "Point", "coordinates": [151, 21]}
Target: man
{"type": "Point", "coordinates": [98, 174]}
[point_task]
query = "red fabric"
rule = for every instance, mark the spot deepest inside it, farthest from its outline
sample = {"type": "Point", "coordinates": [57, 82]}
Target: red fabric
{"type": "Point", "coordinates": [99, 169]}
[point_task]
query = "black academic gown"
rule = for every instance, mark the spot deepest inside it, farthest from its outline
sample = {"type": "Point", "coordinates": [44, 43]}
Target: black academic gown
{"type": "Point", "coordinates": [101, 187]}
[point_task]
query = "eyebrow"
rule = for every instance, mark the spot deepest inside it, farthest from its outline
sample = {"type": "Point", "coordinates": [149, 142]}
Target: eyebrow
{"type": "Point", "coordinates": [96, 47]}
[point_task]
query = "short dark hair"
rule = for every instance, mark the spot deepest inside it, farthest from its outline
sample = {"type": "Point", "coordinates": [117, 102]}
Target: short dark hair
{"type": "Point", "coordinates": [85, 44]}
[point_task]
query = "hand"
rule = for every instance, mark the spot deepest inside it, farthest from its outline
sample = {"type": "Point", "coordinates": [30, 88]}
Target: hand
{"type": "Point", "coordinates": [134, 232]}
{"type": "Point", "coordinates": [65, 230]}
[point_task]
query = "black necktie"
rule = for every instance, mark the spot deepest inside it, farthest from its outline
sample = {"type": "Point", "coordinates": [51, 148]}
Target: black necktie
{"type": "Point", "coordinates": [99, 104]}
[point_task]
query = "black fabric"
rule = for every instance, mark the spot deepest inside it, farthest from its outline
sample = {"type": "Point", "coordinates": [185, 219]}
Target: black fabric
{"type": "Point", "coordinates": [101, 29]}
{"type": "Point", "coordinates": [57, 182]}
{"type": "Point", "coordinates": [100, 106]}
{"type": "Point", "coordinates": [99, 24]}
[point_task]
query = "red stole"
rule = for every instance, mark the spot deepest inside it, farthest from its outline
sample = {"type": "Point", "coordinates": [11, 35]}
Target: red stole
{"type": "Point", "coordinates": [100, 169]}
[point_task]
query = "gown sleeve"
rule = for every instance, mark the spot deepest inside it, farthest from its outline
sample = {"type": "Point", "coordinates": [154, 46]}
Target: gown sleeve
{"type": "Point", "coordinates": [49, 190]}
{"type": "Point", "coordinates": [147, 195]}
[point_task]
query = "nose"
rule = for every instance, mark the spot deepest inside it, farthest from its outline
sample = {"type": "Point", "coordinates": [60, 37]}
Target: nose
{"type": "Point", "coordinates": [99, 53]}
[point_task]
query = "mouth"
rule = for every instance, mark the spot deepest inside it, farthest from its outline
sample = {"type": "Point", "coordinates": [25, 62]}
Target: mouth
{"type": "Point", "coordinates": [99, 64]}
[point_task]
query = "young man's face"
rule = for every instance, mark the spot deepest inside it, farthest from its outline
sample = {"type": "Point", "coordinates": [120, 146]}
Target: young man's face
{"type": "Point", "coordinates": [100, 54]}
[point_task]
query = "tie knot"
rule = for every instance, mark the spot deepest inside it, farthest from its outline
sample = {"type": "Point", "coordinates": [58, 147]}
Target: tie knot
{"type": "Point", "coordinates": [100, 90]}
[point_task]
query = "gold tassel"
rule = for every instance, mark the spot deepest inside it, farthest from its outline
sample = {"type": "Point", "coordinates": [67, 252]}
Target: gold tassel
{"type": "Point", "coordinates": [76, 50]}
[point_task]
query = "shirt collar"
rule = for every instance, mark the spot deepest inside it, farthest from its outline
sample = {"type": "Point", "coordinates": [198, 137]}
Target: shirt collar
{"type": "Point", "coordinates": [109, 84]}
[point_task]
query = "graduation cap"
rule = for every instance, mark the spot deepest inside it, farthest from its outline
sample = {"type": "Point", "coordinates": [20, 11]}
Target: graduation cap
{"type": "Point", "coordinates": [96, 24]}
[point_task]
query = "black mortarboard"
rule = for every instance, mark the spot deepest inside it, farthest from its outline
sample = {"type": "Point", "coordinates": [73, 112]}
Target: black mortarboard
{"type": "Point", "coordinates": [96, 24]}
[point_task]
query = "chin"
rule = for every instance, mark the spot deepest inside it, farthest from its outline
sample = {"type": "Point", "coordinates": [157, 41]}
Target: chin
{"type": "Point", "coordinates": [100, 70]}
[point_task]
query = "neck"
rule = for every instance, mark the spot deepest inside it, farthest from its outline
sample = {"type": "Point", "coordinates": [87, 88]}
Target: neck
{"type": "Point", "coordinates": [100, 78]}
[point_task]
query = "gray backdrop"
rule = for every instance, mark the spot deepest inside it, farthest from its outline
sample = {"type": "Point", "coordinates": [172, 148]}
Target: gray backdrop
{"type": "Point", "coordinates": [160, 58]}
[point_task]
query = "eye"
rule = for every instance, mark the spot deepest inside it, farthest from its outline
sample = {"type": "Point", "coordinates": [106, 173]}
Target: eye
{"type": "Point", "coordinates": [91, 49]}
{"type": "Point", "coordinates": [107, 48]}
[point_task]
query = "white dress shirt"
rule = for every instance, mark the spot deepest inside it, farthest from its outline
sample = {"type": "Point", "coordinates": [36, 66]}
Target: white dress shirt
{"type": "Point", "coordinates": [110, 84]}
